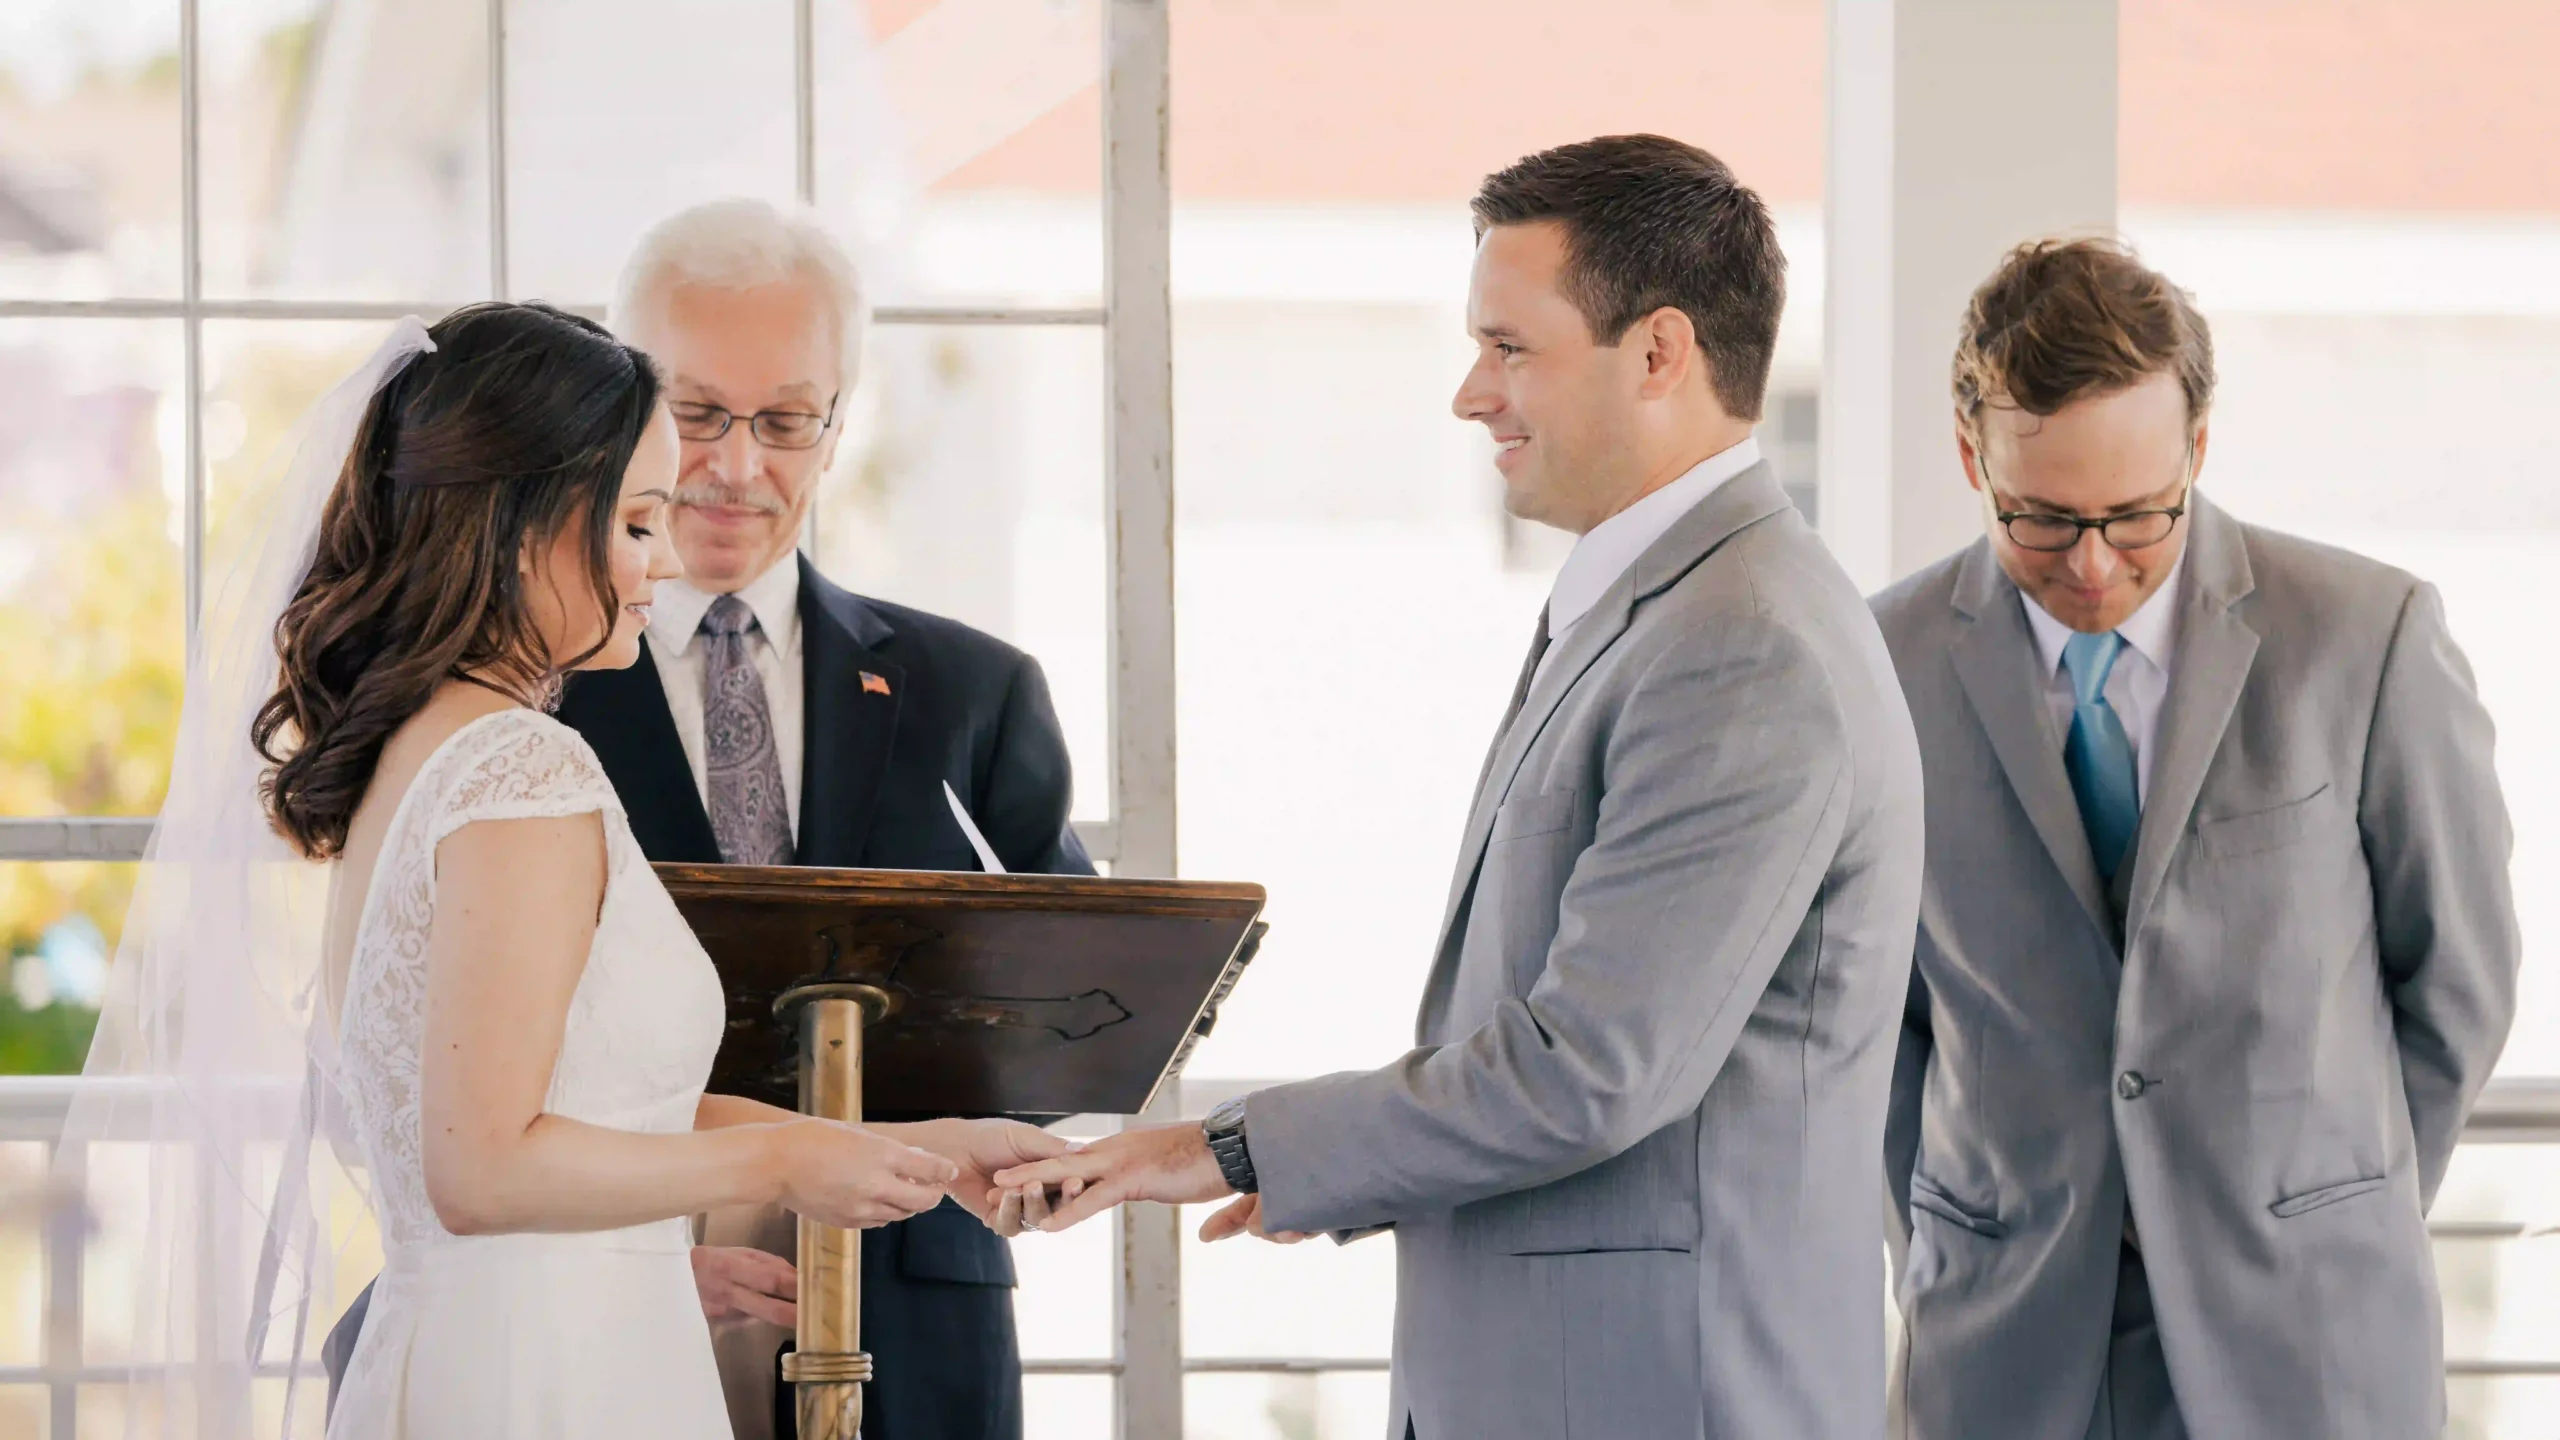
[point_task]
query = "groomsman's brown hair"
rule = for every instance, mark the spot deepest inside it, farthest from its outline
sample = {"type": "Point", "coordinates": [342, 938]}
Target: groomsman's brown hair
{"type": "Point", "coordinates": [1651, 222]}
{"type": "Point", "coordinates": [2067, 318]}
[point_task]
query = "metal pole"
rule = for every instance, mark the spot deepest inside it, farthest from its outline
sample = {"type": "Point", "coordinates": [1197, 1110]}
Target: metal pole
{"type": "Point", "coordinates": [1138, 349]}
{"type": "Point", "coordinates": [804, 92]}
{"type": "Point", "coordinates": [498, 283]}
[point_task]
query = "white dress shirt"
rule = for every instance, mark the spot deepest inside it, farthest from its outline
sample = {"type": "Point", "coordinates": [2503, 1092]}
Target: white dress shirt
{"type": "Point", "coordinates": [675, 628]}
{"type": "Point", "coordinates": [2138, 687]}
{"type": "Point", "coordinates": [1604, 553]}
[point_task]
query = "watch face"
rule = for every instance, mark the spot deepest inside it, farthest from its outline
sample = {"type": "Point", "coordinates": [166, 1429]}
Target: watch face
{"type": "Point", "coordinates": [1228, 1116]}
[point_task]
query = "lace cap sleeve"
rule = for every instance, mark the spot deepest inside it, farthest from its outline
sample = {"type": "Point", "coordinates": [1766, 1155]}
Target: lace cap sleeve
{"type": "Point", "coordinates": [517, 765]}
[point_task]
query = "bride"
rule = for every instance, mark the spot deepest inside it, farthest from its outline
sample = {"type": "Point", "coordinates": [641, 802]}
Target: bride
{"type": "Point", "coordinates": [496, 1005]}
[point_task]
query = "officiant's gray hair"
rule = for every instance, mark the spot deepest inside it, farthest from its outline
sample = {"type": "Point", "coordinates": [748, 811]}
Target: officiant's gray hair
{"type": "Point", "coordinates": [738, 245]}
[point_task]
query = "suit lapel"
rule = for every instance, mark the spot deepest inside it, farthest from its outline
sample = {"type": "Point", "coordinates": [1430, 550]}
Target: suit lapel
{"type": "Point", "coordinates": [1746, 499]}
{"type": "Point", "coordinates": [847, 726]}
{"type": "Point", "coordinates": [624, 717]}
{"type": "Point", "coordinates": [2215, 650]}
{"type": "Point", "coordinates": [1995, 659]}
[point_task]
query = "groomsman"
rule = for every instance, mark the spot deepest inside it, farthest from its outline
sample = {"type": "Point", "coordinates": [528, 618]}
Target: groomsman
{"type": "Point", "coordinates": [2216, 947]}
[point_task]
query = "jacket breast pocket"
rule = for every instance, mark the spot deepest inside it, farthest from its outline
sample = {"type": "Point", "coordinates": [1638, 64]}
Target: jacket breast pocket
{"type": "Point", "coordinates": [2229, 836]}
{"type": "Point", "coordinates": [1549, 812]}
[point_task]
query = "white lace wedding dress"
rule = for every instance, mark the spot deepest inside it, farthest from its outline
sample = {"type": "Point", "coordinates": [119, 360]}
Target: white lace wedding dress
{"type": "Point", "coordinates": [563, 1336]}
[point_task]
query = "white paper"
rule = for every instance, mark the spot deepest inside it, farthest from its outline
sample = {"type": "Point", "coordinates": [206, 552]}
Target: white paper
{"type": "Point", "coordinates": [987, 860]}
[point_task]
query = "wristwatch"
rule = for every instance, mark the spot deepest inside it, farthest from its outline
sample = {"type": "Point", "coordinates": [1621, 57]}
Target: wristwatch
{"type": "Point", "coordinates": [1225, 1129]}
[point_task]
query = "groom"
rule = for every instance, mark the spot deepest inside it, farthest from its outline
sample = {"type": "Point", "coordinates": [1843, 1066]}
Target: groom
{"type": "Point", "coordinates": [1633, 1162]}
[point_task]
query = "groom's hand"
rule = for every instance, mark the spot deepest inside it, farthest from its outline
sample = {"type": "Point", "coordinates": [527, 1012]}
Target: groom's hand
{"type": "Point", "coordinates": [1167, 1163]}
{"type": "Point", "coordinates": [1243, 1216]}
{"type": "Point", "coordinates": [733, 1280]}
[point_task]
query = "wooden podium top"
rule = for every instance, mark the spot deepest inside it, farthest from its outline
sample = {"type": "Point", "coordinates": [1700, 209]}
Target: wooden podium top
{"type": "Point", "coordinates": [1035, 995]}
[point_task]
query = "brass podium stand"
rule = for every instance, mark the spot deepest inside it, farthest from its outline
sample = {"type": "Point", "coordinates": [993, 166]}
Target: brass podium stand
{"type": "Point", "coordinates": [827, 1366]}
{"type": "Point", "coordinates": [910, 994]}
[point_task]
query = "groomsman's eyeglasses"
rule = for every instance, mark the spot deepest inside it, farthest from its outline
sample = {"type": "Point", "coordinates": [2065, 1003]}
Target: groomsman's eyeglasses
{"type": "Point", "coordinates": [2052, 534]}
{"type": "Point", "coordinates": [773, 429]}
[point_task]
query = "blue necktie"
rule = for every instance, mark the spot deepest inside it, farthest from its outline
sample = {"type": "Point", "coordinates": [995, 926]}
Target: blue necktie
{"type": "Point", "coordinates": [2098, 754]}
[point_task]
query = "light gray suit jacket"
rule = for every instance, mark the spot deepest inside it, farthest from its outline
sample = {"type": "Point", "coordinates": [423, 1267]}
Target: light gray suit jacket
{"type": "Point", "coordinates": [2318, 973]}
{"type": "Point", "coordinates": [1632, 1164]}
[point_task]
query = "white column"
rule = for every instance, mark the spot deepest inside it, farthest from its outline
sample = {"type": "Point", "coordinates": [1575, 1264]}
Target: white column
{"type": "Point", "coordinates": [1957, 129]}
{"type": "Point", "coordinates": [1138, 348]}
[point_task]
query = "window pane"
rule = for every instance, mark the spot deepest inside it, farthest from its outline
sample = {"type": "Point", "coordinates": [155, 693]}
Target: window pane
{"type": "Point", "coordinates": [23, 1213]}
{"type": "Point", "coordinates": [2501, 1294]}
{"type": "Point", "coordinates": [2509, 1407]}
{"type": "Point", "coordinates": [261, 379]}
{"type": "Point", "coordinates": [1315, 1300]}
{"type": "Point", "coordinates": [612, 124]}
{"type": "Point", "coordinates": [970, 484]}
{"type": "Point", "coordinates": [965, 146]}
{"type": "Point", "coordinates": [89, 148]}
{"type": "Point", "coordinates": [24, 1408]}
{"type": "Point", "coordinates": [59, 922]}
{"type": "Point", "coordinates": [1343, 1406]}
{"type": "Point", "coordinates": [345, 150]}
{"type": "Point", "coordinates": [1067, 1407]}
{"type": "Point", "coordinates": [92, 611]}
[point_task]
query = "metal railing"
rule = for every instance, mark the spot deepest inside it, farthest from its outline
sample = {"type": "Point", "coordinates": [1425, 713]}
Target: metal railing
{"type": "Point", "coordinates": [32, 1110]}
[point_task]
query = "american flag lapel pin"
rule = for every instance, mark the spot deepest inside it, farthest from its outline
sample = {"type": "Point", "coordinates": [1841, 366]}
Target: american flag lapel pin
{"type": "Point", "coordinates": [873, 684]}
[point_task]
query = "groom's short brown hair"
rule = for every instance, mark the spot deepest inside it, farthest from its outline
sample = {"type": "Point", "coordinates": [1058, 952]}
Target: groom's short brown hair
{"type": "Point", "coordinates": [1651, 222]}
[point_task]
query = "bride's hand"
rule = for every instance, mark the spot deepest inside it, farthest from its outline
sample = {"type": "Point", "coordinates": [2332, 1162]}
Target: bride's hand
{"type": "Point", "coordinates": [847, 1176]}
{"type": "Point", "coordinates": [980, 1148]}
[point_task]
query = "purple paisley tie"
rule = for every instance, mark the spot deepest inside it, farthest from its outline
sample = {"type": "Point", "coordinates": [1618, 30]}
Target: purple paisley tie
{"type": "Point", "coordinates": [750, 815]}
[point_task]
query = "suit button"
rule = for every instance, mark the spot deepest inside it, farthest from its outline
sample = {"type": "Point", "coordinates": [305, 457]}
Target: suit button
{"type": "Point", "coordinates": [2131, 1084]}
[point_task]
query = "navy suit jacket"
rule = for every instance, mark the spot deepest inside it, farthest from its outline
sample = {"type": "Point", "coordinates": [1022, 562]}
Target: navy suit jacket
{"type": "Point", "coordinates": [961, 708]}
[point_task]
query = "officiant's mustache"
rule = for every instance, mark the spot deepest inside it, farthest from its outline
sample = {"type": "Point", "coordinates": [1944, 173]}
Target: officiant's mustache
{"type": "Point", "coordinates": [729, 497]}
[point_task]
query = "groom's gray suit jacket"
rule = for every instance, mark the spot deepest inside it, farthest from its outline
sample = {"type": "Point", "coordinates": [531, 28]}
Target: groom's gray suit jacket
{"type": "Point", "coordinates": [1632, 1165]}
{"type": "Point", "coordinates": [2317, 974]}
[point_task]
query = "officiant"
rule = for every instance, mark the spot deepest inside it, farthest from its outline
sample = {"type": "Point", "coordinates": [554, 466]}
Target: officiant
{"type": "Point", "coordinates": [775, 718]}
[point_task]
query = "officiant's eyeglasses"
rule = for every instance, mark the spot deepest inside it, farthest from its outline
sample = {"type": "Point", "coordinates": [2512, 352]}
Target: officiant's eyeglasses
{"type": "Point", "coordinates": [773, 429]}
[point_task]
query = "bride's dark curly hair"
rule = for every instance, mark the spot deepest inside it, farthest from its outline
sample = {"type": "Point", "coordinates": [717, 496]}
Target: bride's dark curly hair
{"type": "Point", "coordinates": [517, 426]}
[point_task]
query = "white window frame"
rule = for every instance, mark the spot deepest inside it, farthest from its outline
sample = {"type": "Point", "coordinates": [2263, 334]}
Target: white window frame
{"type": "Point", "coordinates": [1147, 1365]}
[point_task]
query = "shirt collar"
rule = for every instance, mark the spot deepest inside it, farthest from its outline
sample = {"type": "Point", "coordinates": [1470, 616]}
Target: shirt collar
{"type": "Point", "coordinates": [675, 617]}
{"type": "Point", "coordinates": [1603, 554]}
{"type": "Point", "coordinates": [2150, 631]}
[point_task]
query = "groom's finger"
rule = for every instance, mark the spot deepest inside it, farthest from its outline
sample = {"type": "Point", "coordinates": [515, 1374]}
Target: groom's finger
{"type": "Point", "coordinates": [1097, 1197]}
{"type": "Point", "coordinates": [1008, 1218]}
{"type": "Point", "coordinates": [1085, 1165]}
{"type": "Point", "coordinates": [1231, 1219]}
{"type": "Point", "coordinates": [1035, 1207]}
